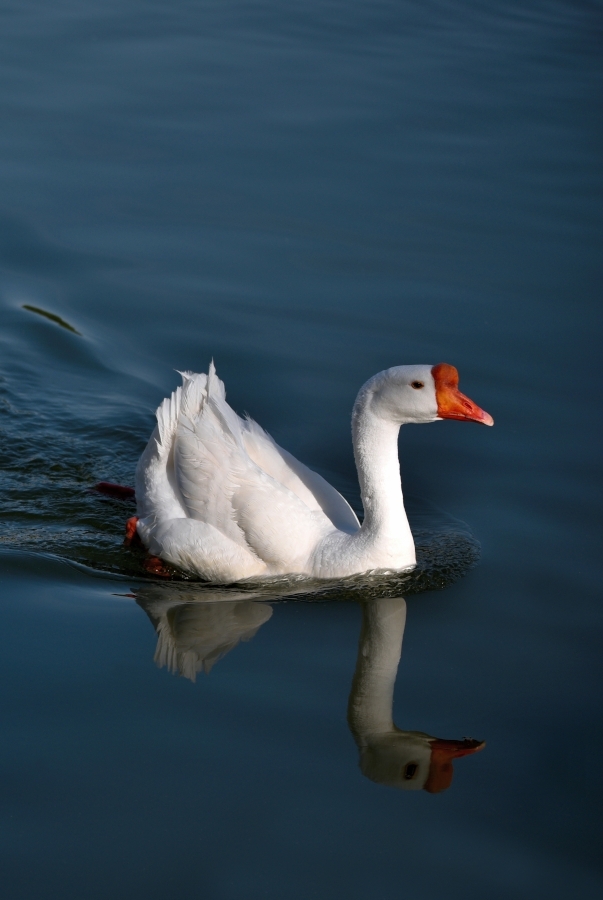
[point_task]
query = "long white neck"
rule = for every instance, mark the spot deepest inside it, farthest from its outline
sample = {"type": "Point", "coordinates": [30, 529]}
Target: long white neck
{"type": "Point", "coordinates": [379, 650]}
{"type": "Point", "coordinates": [375, 441]}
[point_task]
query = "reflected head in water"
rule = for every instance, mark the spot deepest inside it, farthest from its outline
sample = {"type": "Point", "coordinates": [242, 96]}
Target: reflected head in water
{"type": "Point", "coordinates": [409, 760]}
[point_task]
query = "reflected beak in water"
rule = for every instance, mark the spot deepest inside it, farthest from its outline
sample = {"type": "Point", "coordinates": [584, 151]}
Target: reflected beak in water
{"type": "Point", "coordinates": [451, 403]}
{"type": "Point", "coordinates": [442, 754]}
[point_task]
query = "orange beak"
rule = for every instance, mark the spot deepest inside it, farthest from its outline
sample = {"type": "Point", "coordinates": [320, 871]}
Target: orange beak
{"type": "Point", "coordinates": [451, 403]}
{"type": "Point", "coordinates": [440, 766]}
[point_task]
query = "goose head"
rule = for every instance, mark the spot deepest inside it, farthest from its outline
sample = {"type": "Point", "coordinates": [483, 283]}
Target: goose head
{"type": "Point", "coordinates": [419, 394]}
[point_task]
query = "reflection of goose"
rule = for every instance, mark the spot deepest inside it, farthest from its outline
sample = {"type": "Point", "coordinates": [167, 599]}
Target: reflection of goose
{"type": "Point", "coordinates": [404, 759]}
{"type": "Point", "coordinates": [195, 630]}
{"type": "Point", "coordinates": [217, 497]}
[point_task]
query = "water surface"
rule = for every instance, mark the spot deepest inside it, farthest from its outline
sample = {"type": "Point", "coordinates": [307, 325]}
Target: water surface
{"type": "Point", "coordinates": [307, 193]}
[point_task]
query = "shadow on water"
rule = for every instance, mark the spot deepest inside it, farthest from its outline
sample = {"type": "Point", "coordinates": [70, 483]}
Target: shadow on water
{"type": "Point", "coordinates": [196, 629]}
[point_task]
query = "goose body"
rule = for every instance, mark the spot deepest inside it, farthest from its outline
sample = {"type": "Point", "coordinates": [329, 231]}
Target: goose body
{"type": "Point", "coordinates": [218, 498]}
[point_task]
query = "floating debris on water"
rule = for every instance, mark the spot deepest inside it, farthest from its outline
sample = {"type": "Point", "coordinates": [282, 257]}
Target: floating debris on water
{"type": "Point", "coordinates": [52, 316]}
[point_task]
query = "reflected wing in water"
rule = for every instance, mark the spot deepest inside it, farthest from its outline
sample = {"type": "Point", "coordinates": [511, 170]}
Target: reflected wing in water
{"type": "Point", "coordinates": [195, 629]}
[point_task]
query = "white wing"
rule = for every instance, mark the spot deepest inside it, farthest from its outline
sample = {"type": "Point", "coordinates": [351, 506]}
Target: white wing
{"type": "Point", "coordinates": [157, 493]}
{"type": "Point", "coordinates": [204, 463]}
{"type": "Point", "coordinates": [309, 486]}
{"type": "Point", "coordinates": [221, 484]}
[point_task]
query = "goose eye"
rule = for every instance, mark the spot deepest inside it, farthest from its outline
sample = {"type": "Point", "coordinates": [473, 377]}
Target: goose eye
{"type": "Point", "coordinates": [417, 384]}
{"type": "Point", "coordinates": [410, 770]}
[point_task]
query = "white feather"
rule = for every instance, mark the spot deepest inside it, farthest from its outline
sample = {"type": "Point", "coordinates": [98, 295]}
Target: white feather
{"type": "Point", "coordinates": [219, 498]}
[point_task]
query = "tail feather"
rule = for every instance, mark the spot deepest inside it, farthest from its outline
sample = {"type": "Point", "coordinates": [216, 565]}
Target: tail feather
{"type": "Point", "coordinates": [167, 414]}
{"type": "Point", "coordinates": [194, 395]}
{"type": "Point", "coordinates": [215, 386]}
{"type": "Point", "coordinates": [185, 400]}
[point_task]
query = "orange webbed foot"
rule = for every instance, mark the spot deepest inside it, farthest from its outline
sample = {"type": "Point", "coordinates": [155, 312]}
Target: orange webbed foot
{"type": "Point", "coordinates": [131, 533]}
{"type": "Point", "coordinates": [156, 566]}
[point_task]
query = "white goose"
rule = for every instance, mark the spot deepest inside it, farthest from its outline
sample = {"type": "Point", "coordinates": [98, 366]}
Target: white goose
{"type": "Point", "coordinates": [218, 498]}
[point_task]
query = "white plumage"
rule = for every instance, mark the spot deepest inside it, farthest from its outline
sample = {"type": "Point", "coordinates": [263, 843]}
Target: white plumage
{"type": "Point", "coordinates": [218, 498]}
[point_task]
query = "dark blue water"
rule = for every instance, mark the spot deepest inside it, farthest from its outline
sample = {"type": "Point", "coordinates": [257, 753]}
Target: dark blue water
{"type": "Point", "coordinates": [308, 193]}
